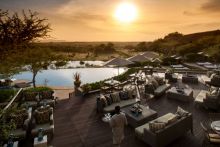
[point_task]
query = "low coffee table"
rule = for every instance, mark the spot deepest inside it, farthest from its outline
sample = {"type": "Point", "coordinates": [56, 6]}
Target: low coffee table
{"type": "Point", "coordinates": [185, 96]}
{"type": "Point", "coordinates": [140, 119]}
{"type": "Point", "coordinates": [190, 79]}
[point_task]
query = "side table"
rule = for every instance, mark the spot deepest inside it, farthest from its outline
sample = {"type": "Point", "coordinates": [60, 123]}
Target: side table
{"type": "Point", "coordinates": [42, 143]}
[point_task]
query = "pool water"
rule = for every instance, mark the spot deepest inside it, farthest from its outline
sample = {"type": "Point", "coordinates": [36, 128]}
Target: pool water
{"type": "Point", "coordinates": [64, 77]}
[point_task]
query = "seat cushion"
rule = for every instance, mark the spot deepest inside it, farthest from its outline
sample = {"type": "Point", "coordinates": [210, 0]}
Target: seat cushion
{"type": "Point", "coordinates": [30, 96]}
{"type": "Point", "coordinates": [122, 104]}
{"type": "Point", "coordinates": [46, 127]}
{"type": "Point", "coordinates": [162, 89]}
{"type": "Point", "coordinates": [165, 118]}
{"type": "Point", "coordinates": [139, 131]}
{"type": "Point", "coordinates": [50, 102]}
{"type": "Point", "coordinates": [21, 133]}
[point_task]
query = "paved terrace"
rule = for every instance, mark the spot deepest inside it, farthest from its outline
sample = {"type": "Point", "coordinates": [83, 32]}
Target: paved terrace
{"type": "Point", "coordinates": [78, 125]}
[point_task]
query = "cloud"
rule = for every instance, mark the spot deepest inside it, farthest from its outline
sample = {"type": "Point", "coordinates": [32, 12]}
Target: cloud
{"type": "Point", "coordinates": [31, 4]}
{"type": "Point", "coordinates": [211, 5]}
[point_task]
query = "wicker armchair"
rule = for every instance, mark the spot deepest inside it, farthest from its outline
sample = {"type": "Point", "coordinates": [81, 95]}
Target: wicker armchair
{"type": "Point", "coordinates": [47, 98]}
{"type": "Point", "coordinates": [43, 119]}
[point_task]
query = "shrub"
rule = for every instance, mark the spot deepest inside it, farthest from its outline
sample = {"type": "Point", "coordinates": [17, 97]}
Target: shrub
{"type": "Point", "coordinates": [96, 85]}
{"type": "Point", "coordinates": [86, 88]}
{"type": "Point", "coordinates": [124, 76]}
{"type": "Point", "coordinates": [38, 89]}
{"type": "Point", "coordinates": [6, 94]}
{"type": "Point", "coordinates": [60, 63]}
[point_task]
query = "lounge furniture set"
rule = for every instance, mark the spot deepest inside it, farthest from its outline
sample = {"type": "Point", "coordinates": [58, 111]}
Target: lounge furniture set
{"type": "Point", "coordinates": [154, 131]}
{"type": "Point", "coordinates": [106, 103]}
{"type": "Point", "coordinates": [212, 78]}
{"type": "Point", "coordinates": [35, 99]}
{"type": "Point", "coordinates": [165, 129]}
{"type": "Point", "coordinates": [156, 86]}
{"type": "Point", "coordinates": [171, 77]}
{"type": "Point", "coordinates": [181, 94]}
{"type": "Point", "coordinates": [33, 114]}
{"type": "Point", "coordinates": [209, 99]}
{"type": "Point", "coordinates": [190, 79]}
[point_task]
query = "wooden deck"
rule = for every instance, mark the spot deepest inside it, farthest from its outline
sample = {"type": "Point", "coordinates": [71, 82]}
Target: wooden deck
{"type": "Point", "coordinates": [78, 125]}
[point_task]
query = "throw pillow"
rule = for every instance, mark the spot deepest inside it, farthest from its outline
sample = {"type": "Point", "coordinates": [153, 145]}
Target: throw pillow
{"type": "Point", "coordinates": [212, 76]}
{"type": "Point", "coordinates": [156, 126]}
{"type": "Point", "coordinates": [149, 88]}
{"type": "Point", "coordinates": [159, 80]}
{"type": "Point", "coordinates": [214, 92]}
{"type": "Point", "coordinates": [154, 82]}
{"type": "Point", "coordinates": [210, 96]}
{"type": "Point", "coordinates": [42, 116]}
{"type": "Point", "coordinates": [103, 100]}
{"type": "Point", "coordinates": [181, 112]}
{"type": "Point", "coordinates": [115, 97]}
{"type": "Point", "coordinates": [130, 94]}
{"type": "Point", "coordinates": [109, 99]}
{"type": "Point", "coordinates": [123, 95]}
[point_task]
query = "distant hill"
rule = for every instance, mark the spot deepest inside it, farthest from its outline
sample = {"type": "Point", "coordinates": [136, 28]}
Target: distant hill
{"type": "Point", "coordinates": [199, 35]}
{"type": "Point", "coordinates": [185, 45]}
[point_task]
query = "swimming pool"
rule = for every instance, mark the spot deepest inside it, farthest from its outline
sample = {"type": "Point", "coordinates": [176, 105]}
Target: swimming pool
{"type": "Point", "coordinates": [64, 77]}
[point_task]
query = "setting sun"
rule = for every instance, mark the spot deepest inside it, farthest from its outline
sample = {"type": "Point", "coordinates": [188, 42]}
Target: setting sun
{"type": "Point", "coordinates": [126, 12]}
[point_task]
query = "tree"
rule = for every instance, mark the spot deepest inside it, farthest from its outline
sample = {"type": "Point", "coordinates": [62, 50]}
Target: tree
{"type": "Point", "coordinates": [36, 60]}
{"type": "Point", "coordinates": [19, 30]}
{"type": "Point", "coordinates": [141, 46]}
{"type": "Point", "coordinates": [109, 48]}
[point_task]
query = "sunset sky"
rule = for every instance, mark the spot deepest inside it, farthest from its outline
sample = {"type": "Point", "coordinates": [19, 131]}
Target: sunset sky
{"type": "Point", "coordinates": [94, 20]}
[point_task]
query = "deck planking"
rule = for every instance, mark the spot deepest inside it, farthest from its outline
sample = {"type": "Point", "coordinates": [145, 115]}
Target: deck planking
{"type": "Point", "coordinates": [77, 123]}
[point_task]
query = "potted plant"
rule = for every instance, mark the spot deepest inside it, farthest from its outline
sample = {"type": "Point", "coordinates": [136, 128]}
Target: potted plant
{"type": "Point", "coordinates": [86, 88]}
{"type": "Point", "coordinates": [77, 80]}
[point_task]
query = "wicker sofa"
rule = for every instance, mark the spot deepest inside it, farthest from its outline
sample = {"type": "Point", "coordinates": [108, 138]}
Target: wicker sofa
{"type": "Point", "coordinates": [106, 103]}
{"type": "Point", "coordinates": [212, 78]}
{"type": "Point", "coordinates": [35, 99]}
{"type": "Point", "coordinates": [166, 135]}
{"type": "Point", "coordinates": [208, 99]}
{"type": "Point", "coordinates": [22, 119]}
{"type": "Point", "coordinates": [158, 91]}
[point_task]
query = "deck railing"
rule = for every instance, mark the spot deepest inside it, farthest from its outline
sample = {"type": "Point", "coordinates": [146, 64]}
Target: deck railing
{"type": "Point", "coordinates": [11, 101]}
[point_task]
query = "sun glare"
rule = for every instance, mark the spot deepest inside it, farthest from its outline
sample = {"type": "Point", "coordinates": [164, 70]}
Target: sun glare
{"type": "Point", "coordinates": [126, 12]}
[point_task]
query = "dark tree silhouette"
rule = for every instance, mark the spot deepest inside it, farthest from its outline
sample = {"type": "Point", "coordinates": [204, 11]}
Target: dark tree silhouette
{"type": "Point", "coordinates": [19, 30]}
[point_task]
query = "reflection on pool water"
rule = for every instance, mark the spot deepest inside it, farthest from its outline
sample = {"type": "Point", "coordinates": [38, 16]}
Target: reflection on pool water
{"type": "Point", "coordinates": [64, 77]}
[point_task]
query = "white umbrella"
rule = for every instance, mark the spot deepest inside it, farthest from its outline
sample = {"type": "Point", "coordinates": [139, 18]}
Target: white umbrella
{"type": "Point", "coordinates": [156, 60]}
{"type": "Point", "coordinates": [138, 58]}
{"type": "Point", "coordinates": [119, 62]}
{"type": "Point", "coordinates": [150, 54]}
